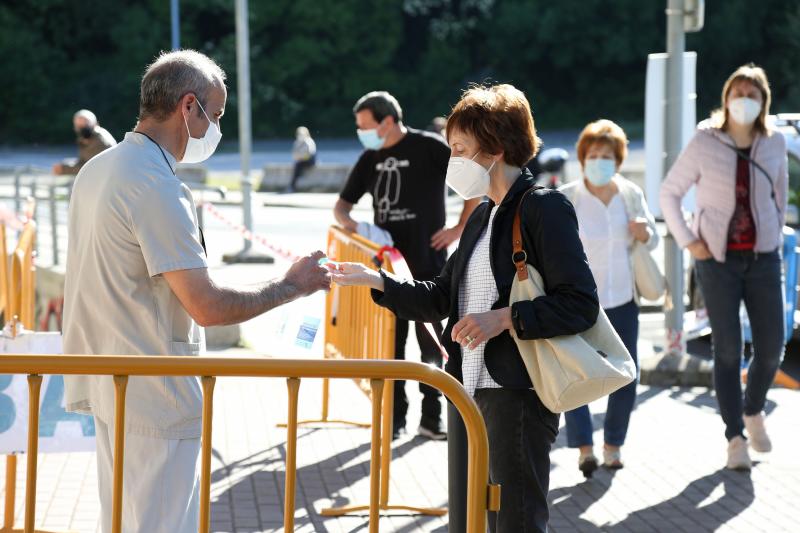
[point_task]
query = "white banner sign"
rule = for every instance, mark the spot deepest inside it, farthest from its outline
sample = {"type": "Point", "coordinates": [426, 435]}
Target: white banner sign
{"type": "Point", "coordinates": [59, 431]}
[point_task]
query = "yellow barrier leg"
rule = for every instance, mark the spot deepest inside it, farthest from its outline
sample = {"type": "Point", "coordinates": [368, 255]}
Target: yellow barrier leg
{"type": "Point", "coordinates": [11, 493]}
{"type": "Point", "coordinates": [34, 388]}
{"type": "Point", "coordinates": [326, 391]}
{"type": "Point", "coordinates": [293, 385]}
{"type": "Point", "coordinates": [324, 419]}
{"type": "Point", "coordinates": [205, 454]}
{"type": "Point", "coordinates": [386, 441]}
{"type": "Point", "coordinates": [120, 387]}
{"type": "Point", "coordinates": [375, 460]}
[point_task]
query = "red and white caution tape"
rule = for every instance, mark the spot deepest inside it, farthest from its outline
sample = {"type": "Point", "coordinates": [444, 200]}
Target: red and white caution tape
{"type": "Point", "coordinates": [249, 235]}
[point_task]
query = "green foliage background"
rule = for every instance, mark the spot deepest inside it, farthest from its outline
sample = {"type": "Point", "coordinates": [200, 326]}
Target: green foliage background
{"type": "Point", "coordinates": [311, 59]}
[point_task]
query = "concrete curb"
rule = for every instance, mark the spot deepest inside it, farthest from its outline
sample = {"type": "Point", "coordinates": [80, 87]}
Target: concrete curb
{"type": "Point", "coordinates": [671, 370]}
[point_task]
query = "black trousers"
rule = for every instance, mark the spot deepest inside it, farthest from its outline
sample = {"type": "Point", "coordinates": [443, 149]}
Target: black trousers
{"type": "Point", "coordinates": [300, 168]}
{"type": "Point", "coordinates": [431, 404]}
{"type": "Point", "coordinates": [521, 432]}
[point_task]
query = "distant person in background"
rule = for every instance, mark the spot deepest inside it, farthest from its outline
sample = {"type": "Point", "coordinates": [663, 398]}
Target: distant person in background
{"type": "Point", "coordinates": [439, 125]}
{"type": "Point", "coordinates": [304, 154]}
{"type": "Point", "coordinates": [612, 216]}
{"type": "Point", "coordinates": [737, 163]}
{"type": "Point", "coordinates": [91, 140]}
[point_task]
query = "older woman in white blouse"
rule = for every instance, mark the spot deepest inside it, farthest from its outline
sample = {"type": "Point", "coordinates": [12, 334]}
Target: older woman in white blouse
{"type": "Point", "coordinates": [612, 213]}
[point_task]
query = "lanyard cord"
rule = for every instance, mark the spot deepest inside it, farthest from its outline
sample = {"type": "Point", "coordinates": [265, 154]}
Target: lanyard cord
{"type": "Point", "coordinates": [159, 149]}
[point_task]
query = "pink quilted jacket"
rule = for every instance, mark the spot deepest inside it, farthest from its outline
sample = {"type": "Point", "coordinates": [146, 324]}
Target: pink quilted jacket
{"type": "Point", "coordinates": [711, 166]}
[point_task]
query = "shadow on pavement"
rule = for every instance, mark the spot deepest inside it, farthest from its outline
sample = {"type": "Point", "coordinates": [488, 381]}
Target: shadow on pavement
{"type": "Point", "coordinates": [707, 400]}
{"type": "Point", "coordinates": [689, 510]}
{"type": "Point", "coordinates": [328, 479]}
{"type": "Point", "coordinates": [575, 500]}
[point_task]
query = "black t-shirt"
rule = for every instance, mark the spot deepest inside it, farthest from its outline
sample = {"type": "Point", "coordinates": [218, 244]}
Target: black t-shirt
{"type": "Point", "coordinates": [407, 185]}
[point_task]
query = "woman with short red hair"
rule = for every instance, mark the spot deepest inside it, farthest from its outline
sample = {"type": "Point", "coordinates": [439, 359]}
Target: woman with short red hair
{"type": "Point", "coordinates": [612, 217]}
{"type": "Point", "coordinates": [492, 135]}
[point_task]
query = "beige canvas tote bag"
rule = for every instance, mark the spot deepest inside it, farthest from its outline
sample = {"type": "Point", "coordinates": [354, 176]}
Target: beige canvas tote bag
{"type": "Point", "coordinates": [571, 370]}
{"type": "Point", "coordinates": [650, 282]}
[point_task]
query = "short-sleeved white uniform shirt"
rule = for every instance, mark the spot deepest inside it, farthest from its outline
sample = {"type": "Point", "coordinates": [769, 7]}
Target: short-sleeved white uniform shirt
{"type": "Point", "coordinates": [131, 220]}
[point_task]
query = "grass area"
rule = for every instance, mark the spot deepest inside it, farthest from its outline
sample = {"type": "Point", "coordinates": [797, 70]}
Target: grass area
{"type": "Point", "coordinates": [230, 180]}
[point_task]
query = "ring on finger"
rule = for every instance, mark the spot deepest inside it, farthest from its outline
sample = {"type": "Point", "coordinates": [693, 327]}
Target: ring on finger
{"type": "Point", "coordinates": [469, 339]}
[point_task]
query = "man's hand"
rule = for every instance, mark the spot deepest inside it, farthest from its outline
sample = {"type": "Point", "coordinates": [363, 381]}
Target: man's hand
{"type": "Point", "coordinates": [445, 237]}
{"type": "Point", "coordinates": [307, 276]}
{"type": "Point", "coordinates": [639, 229]}
{"type": "Point", "coordinates": [58, 169]}
{"type": "Point", "coordinates": [474, 329]}
{"type": "Point", "coordinates": [699, 250]}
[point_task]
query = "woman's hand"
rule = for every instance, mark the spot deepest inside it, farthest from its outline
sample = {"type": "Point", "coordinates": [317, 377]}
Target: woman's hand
{"type": "Point", "coordinates": [639, 229]}
{"type": "Point", "coordinates": [699, 250]}
{"type": "Point", "coordinates": [476, 328]}
{"type": "Point", "coordinates": [355, 274]}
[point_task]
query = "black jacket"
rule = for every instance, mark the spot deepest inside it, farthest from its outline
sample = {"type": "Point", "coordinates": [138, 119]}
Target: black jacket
{"type": "Point", "coordinates": [550, 232]}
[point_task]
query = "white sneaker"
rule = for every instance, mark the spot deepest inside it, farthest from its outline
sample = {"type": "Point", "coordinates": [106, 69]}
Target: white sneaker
{"type": "Point", "coordinates": [738, 458]}
{"type": "Point", "coordinates": [757, 433]}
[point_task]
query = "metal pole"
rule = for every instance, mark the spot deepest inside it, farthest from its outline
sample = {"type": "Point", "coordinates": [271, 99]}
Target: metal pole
{"type": "Point", "coordinates": [673, 113]}
{"type": "Point", "coordinates": [457, 459]}
{"type": "Point", "coordinates": [17, 186]}
{"type": "Point", "coordinates": [54, 223]}
{"type": "Point", "coordinates": [243, 101]}
{"type": "Point", "coordinates": [176, 24]}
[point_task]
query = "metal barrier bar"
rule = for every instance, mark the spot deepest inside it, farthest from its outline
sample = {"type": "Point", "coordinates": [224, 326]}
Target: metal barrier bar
{"type": "Point", "coordinates": [120, 387]}
{"type": "Point", "coordinates": [479, 493]}
{"type": "Point", "coordinates": [11, 492]}
{"type": "Point", "coordinates": [34, 388]}
{"type": "Point", "coordinates": [375, 457]}
{"type": "Point", "coordinates": [53, 222]}
{"type": "Point", "coordinates": [205, 452]}
{"type": "Point", "coordinates": [293, 385]}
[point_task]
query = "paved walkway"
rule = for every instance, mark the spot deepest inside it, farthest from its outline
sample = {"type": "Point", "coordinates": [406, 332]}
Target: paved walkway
{"type": "Point", "coordinates": [674, 480]}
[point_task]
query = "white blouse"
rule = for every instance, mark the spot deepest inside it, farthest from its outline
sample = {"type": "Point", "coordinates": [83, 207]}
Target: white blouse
{"type": "Point", "coordinates": [604, 233]}
{"type": "Point", "coordinates": [476, 294]}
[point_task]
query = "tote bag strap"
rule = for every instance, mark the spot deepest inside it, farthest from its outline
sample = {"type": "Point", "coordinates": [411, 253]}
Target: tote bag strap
{"type": "Point", "coordinates": [519, 256]}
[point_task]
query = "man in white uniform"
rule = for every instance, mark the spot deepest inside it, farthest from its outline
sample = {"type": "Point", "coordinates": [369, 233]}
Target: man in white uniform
{"type": "Point", "coordinates": [137, 283]}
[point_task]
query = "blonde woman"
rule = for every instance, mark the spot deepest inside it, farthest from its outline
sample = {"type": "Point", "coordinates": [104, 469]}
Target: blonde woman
{"type": "Point", "coordinates": [738, 165]}
{"type": "Point", "coordinates": [612, 216]}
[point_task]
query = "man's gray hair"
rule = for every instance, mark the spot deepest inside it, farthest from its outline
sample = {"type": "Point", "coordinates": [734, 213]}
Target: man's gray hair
{"type": "Point", "coordinates": [87, 115]}
{"type": "Point", "coordinates": [173, 75]}
{"type": "Point", "coordinates": [381, 104]}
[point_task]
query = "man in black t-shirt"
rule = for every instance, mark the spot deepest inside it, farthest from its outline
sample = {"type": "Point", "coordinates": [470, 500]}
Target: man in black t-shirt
{"type": "Point", "coordinates": [404, 171]}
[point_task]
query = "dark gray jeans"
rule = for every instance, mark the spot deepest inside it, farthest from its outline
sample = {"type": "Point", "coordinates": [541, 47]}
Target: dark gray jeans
{"type": "Point", "coordinates": [756, 279]}
{"type": "Point", "coordinates": [521, 431]}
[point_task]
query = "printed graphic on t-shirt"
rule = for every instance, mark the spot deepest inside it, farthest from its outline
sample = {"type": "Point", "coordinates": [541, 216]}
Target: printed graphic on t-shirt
{"type": "Point", "coordinates": [387, 191]}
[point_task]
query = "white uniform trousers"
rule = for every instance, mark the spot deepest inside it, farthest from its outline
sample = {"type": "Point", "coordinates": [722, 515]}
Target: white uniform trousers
{"type": "Point", "coordinates": [160, 483]}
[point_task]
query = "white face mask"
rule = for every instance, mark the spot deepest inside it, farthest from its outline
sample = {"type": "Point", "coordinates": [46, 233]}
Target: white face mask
{"type": "Point", "coordinates": [198, 150]}
{"type": "Point", "coordinates": [467, 177]}
{"type": "Point", "coordinates": [744, 110]}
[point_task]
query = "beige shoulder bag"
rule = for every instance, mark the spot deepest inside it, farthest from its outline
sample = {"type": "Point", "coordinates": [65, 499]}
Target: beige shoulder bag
{"type": "Point", "coordinates": [571, 370]}
{"type": "Point", "coordinates": [650, 282]}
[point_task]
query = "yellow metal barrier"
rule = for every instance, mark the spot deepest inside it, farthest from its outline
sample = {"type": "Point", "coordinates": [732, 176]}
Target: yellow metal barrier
{"type": "Point", "coordinates": [357, 328]}
{"type": "Point", "coordinates": [480, 495]}
{"type": "Point", "coordinates": [18, 287]}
